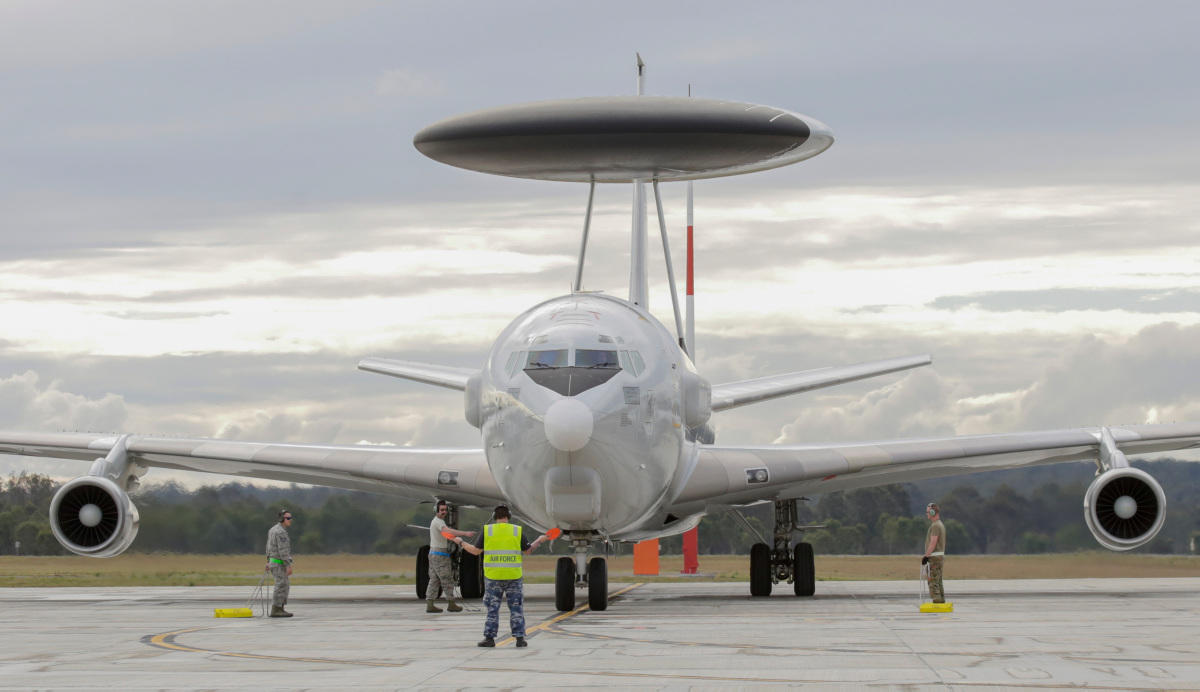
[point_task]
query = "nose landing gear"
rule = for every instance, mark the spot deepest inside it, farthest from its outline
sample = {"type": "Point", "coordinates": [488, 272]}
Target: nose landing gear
{"type": "Point", "coordinates": [578, 572]}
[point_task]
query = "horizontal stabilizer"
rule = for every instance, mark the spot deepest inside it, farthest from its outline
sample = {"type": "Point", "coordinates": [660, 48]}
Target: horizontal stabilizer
{"type": "Point", "coordinates": [439, 375]}
{"type": "Point", "coordinates": [734, 394]}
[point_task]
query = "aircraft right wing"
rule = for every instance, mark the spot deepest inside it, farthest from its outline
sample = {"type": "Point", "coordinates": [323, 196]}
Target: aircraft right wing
{"type": "Point", "coordinates": [727, 476]}
{"type": "Point", "coordinates": [734, 394]}
{"type": "Point", "coordinates": [460, 476]}
{"type": "Point", "coordinates": [439, 375]}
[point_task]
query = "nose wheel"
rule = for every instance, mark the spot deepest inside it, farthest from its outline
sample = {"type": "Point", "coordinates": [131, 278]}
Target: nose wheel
{"type": "Point", "coordinates": [571, 573]}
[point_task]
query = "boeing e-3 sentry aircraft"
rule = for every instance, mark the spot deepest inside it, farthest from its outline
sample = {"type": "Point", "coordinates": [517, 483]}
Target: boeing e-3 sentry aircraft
{"type": "Point", "coordinates": [593, 417]}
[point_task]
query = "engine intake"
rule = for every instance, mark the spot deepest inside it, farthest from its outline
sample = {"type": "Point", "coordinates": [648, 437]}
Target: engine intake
{"type": "Point", "coordinates": [1124, 508]}
{"type": "Point", "coordinates": [92, 516]}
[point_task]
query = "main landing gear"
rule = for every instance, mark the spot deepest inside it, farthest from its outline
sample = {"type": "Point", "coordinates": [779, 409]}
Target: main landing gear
{"type": "Point", "coordinates": [571, 573]}
{"type": "Point", "coordinates": [468, 568]}
{"type": "Point", "coordinates": [782, 563]}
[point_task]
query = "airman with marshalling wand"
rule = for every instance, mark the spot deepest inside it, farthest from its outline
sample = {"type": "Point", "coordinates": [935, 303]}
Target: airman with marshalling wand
{"type": "Point", "coordinates": [279, 563]}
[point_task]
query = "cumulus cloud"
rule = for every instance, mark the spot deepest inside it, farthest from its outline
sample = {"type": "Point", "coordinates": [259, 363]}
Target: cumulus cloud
{"type": "Point", "coordinates": [1147, 378]}
{"type": "Point", "coordinates": [283, 426]}
{"type": "Point", "coordinates": [28, 403]}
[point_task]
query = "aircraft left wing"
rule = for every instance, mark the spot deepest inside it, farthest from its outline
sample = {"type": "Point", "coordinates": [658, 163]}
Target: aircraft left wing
{"type": "Point", "coordinates": [740, 475]}
{"type": "Point", "coordinates": [734, 394]}
{"type": "Point", "coordinates": [460, 476]}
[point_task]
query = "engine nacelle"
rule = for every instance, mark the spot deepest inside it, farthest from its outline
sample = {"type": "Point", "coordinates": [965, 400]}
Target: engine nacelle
{"type": "Point", "coordinates": [92, 516]}
{"type": "Point", "coordinates": [1124, 508]}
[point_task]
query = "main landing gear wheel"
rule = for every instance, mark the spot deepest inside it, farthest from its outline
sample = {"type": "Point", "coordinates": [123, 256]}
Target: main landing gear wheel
{"type": "Point", "coordinates": [470, 575]}
{"type": "Point", "coordinates": [760, 570]}
{"type": "Point", "coordinates": [564, 584]}
{"type": "Point", "coordinates": [597, 575]}
{"type": "Point", "coordinates": [804, 573]}
{"type": "Point", "coordinates": [423, 574]}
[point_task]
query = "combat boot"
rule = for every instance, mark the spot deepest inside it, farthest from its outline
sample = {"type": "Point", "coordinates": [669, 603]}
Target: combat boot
{"type": "Point", "coordinates": [454, 607]}
{"type": "Point", "coordinates": [431, 608]}
{"type": "Point", "coordinates": [279, 612]}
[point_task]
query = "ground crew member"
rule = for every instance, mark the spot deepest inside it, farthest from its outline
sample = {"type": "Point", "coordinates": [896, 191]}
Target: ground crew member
{"type": "Point", "coordinates": [935, 550]}
{"type": "Point", "coordinates": [279, 563]}
{"type": "Point", "coordinates": [502, 545]}
{"type": "Point", "coordinates": [441, 572]}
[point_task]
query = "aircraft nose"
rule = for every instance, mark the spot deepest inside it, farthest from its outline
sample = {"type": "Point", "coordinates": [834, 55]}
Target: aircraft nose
{"type": "Point", "coordinates": [568, 424]}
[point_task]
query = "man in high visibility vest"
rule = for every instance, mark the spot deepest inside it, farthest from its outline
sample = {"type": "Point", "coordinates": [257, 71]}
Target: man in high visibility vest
{"type": "Point", "coordinates": [502, 546]}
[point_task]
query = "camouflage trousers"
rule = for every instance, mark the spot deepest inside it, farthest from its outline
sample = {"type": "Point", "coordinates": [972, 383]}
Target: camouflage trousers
{"type": "Point", "coordinates": [511, 591]}
{"type": "Point", "coordinates": [283, 584]}
{"type": "Point", "coordinates": [936, 593]}
{"type": "Point", "coordinates": [441, 574]}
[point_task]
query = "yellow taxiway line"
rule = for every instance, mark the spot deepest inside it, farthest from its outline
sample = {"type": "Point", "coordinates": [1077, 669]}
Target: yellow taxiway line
{"type": "Point", "coordinates": [544, 624]}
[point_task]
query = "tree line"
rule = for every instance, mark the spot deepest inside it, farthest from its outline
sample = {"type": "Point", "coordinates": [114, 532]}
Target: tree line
{"type": "Point", "coordinates": [1021, 511]}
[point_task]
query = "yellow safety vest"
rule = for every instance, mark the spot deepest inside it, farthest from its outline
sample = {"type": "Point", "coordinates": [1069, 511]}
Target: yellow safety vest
{"type": "Point", "coordinates": [502, 551]}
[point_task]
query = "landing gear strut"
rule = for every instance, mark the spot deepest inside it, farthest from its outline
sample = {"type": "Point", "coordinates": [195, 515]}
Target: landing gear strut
{"type": "Point", "coordinates": [781, 562]}
{"type": "Point", "coordinates": [578, 572]}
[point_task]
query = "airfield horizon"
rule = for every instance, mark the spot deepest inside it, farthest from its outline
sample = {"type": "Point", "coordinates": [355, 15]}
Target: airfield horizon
{"type": "Point", "coordinates": [170, 569]}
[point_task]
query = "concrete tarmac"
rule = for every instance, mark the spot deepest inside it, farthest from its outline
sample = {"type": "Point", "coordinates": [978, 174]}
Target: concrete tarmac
{"type": "Point", "coordinates": [1126, 634]}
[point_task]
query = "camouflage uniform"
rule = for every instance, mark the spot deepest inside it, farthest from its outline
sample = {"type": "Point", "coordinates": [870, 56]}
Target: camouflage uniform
{"type": "Point", "coordinates": [279, 548]}
{"type": "Point", "coordinates": [441, 569]}
{"type": "Point", "coordinates": [441, 574]}
{"type": "Point", "coordinates": [511, 591]}
{"type": "Point", "coordinates": [936, 593]}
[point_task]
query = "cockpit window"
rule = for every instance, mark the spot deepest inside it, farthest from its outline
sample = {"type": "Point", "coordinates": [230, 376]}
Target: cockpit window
{"type": "Point", "coordinates": [555, 358]}
{"type": "Point", "coordinates": [590, 358]}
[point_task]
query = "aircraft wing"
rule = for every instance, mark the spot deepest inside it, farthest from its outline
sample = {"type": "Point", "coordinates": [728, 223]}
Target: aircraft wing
{"type": "Point", "coordinates": [440, 375]}
{"type": "Point", "coordinates": [461, 476]}
{"type": "Point", "coordinates": [740, 475]}
{"type": "Point", "coordinates": [734, 394]}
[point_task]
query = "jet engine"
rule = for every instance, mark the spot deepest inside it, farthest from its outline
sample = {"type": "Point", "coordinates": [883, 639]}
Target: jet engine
{"type": "Point", "coordinates": [92, 516]}
{"type": "Point", "coordinates": [1124, 508]}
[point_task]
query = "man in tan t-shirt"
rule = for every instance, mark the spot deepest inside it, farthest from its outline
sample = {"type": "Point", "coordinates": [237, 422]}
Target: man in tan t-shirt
{"type": "Point", "coordinates": [441, 570]}
{"type": "Point", "coordinates": [935, 550]}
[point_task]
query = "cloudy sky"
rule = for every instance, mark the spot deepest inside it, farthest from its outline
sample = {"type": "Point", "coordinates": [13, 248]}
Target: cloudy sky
{"type": "Point", "coordinates": [210, 211]}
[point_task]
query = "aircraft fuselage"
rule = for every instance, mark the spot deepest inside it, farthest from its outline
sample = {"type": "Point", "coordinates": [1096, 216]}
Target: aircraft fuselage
{"type": "Point", "coordinates": [581, 409]}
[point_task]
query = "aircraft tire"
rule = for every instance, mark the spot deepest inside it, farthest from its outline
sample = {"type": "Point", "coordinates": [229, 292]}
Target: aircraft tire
{"type": "Point", "coordinates": [760, 570]}
{"type": "Point", "coordinates": [423, 573]}
{"type": "Point", "coordinates": [564, 584]}
{"type": "Point", "coordinates": [470, 579]}
{"type": "Point", "coordinates": [598, 584]}
{"type": "Point", "coordinates": [804, 571]}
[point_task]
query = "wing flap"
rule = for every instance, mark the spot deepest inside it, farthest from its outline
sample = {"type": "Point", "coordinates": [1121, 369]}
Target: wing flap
{"type": "Point", "coordinates": [734, 394]}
